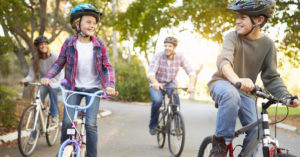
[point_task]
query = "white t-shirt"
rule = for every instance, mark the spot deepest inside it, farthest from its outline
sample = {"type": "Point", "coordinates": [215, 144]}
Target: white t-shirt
{"type": "Point", "coordinates": [86, 70]}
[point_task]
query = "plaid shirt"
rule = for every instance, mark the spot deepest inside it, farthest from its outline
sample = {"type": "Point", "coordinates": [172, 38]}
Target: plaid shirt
{"type": "Point", "coordinates": [165, 73]}
{"type": "Point", "coordinates": [68, 57]}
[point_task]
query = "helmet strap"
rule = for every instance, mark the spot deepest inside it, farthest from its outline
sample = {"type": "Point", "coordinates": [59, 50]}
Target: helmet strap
{"type": "Point", "coordinates": [78, 29]}
{"type": "Point", "coordinates": [253, 25]}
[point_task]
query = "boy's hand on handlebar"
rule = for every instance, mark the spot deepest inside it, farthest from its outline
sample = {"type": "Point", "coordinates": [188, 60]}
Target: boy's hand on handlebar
{"type": "Point", "coordinates": [110, 91]}
{"type": "Point", "coordinates": [247, 85]}
{"type": "Point", "coordinates": [45, 82]}
{"type": "Point", "coordinates": [296, 103]}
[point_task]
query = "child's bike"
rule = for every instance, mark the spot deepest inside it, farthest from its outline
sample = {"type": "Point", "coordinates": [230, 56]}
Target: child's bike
{"type": "Point", "coordinates": [270, 145]}
{"type": "Point", "coordinates": [75, 146]}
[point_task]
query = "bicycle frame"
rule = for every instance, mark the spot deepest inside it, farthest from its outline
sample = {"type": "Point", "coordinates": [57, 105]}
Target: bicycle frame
{"type": "Point", "coordinates": [263, 133]}
{"type": "Point", "coordinates": [39, 107]}
{"type": "Point", "coordinates": [76, 142]}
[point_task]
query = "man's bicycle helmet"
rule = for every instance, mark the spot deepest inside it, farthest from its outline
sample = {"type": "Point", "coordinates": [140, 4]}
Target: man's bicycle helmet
{"type": "Point", "coordinates": [254, 7]}
{"type": "Point", "coordinates": [84, 9]}
{"type": "Point", "coordinates": [40, 39]}
{"type": "Point", "coordinates": [171, 40]}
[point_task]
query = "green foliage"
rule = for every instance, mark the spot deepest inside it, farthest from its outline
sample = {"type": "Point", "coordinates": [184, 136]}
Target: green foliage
{"type": "Point", "coordinates": [143, 20]}
{"type": "Point", "coordinates": [7, 107]}
{"type": "Point", "coordinates": [283, 110]}
{"type": "Point", "coordinates": [132, 83]}
{"type": "Point", "coordinates": [5, 67]}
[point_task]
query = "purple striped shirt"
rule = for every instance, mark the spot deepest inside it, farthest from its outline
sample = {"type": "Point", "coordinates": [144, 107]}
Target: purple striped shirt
{"type": "Point", "coordinates": [165, 73]}
{"type": "Point", "coordinates": [68, 58]}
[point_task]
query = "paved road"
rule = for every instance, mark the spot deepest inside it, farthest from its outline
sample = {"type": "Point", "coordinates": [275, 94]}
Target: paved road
{"type": "Point", "coordinates": [125, 132]}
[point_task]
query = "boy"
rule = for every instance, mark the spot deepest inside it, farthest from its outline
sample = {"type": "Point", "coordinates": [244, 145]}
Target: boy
{"type": "Point", "coordinates": [87, 68]}
{"type": "Point", "coordinates": [245, 53]}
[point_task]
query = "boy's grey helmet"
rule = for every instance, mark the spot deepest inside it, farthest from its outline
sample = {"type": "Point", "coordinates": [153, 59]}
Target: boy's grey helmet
{"type": "Point", "coordinates": [171, 40]}
{"type": "Point", "coordinates": [254, 7]}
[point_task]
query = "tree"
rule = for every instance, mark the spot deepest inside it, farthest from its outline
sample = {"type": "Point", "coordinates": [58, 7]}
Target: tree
{"type": "Point", "coordinates": [143, 20]}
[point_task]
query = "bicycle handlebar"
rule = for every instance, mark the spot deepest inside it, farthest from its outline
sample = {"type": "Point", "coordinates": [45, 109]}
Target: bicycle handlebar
{"type": "Point", "coordinates": [92, 95]}
{"type": "Point", "coordinates": [259, 92]}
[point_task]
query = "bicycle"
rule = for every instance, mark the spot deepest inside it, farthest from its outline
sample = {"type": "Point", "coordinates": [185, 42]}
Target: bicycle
{"type": "Point", "coordinates": [270, 145]}
{"type": "Point", "coordinates": [170, 121]}
{"type": "Point", "coordinates": [75, 146]}
{"type": "Point", "coordinates": [36, 120]}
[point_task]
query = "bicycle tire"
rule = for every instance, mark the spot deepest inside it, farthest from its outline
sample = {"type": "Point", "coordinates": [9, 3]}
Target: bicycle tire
{"type": "Point", "coordinates": [161, 133]}
{"type": "Point", "coordinates": [205, 147]}
{"type": "Point", "coordinates": [177, 130]}
{"type": "Point", "coordinates": [52, 131]}
{"type": "Point", "coordinates": [68, 151]}
{"type": "Point", "coordinates": [25, 131]}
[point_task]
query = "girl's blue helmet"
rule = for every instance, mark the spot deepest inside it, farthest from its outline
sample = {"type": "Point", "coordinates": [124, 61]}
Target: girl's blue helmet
{"type": "Point", "coordinates": [84, 9]}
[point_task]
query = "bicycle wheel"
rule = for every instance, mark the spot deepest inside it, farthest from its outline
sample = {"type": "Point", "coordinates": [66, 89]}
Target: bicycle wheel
{"type": "Point", "coordinates": [205, 147]}
{"type": "Point", "coordinates": [68, 151]}
{"type": "Point", "coordinates": [52, 129]}
{"type": "Point", "coordinates": [161, 133]}
{"type": "Point", "coordinates": [27, 135]}
{"type": "Point", "coordinates": [176, 134]}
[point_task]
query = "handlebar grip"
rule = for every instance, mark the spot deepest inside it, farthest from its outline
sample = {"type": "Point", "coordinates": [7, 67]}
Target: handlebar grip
{"type": "Point", "coordinates": [238, 85]}
{"type": "Point", "coordinates": [26, 84]}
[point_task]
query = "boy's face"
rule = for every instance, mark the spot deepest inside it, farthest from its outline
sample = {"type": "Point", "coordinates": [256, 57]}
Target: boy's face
{"type": "Point", "coordinates": [243, 24]}
{"type": "Point", "coordinates": [43, 47]}
{"type": "Point", "coordinates": [88, 25]}
{"type": "Point", "coordinates": [169, 49]}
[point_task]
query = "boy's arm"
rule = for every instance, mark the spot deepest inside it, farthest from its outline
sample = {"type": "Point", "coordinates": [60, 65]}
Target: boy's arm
{"type": "Point", "coordinates": [270, 76]}
{"type": "Point", "coordinates": [225, 63]}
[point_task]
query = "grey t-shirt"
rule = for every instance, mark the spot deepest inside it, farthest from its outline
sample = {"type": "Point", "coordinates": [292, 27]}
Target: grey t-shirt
{"type": "Point", "coordinates": [248, 58]}
{"type": "Point", "coordinates": [44, 66]}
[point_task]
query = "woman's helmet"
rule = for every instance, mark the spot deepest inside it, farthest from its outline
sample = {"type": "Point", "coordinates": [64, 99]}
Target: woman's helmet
{"type": "Point", "coordinates": [254, 7]}
{"type": "Point", "coordinates": [40, 39]}
{"type": "Point", "coordinates": [171, 40]}
{"type": "Point", "coordinates": [84, 9]}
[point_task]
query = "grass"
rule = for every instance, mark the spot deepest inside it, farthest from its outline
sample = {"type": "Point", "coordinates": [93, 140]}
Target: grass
{"type": "Point", "coordinates": [281, 110]}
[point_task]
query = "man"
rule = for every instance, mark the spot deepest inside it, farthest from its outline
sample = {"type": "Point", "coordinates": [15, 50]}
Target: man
{"type": "Point", "coordinates": [162, 72]}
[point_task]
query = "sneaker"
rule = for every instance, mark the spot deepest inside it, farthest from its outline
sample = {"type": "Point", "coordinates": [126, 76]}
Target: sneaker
{"type": "Point", "coordinates": [219, 148]}
{"type": "Point", "coordinates": [152, 131]}
{"type": "Point", "coordinates": [31, 139]}
{"type": "Point", "coordinates": [54, 120]}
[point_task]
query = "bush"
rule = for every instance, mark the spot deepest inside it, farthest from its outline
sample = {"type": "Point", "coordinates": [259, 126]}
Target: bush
{"type": "Point", "coordinates": [7, 107]}
{"type": "Point", "coordinates": [132, 83]}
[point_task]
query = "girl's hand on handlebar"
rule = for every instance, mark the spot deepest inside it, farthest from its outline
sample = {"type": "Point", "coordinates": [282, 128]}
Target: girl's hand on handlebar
{"type": "Point", "coordinates": [296, 103]}
{"type": "Point", "coordinates": [45, 82]}
{"type": "Point", "coordinates": [110, 91]}
{"type": "Point", "coordinates": [246, 85]}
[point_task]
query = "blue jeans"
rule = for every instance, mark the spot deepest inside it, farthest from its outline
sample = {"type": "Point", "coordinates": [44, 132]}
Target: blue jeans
{"type": "Point", "coordinates": [157, 98]}
{"type": "Point", "coordinates": [90, 123]}
{"type": "Point", "coordinates": [233, 103]}
{"type": "Point", "coordinates": [53, 98]}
